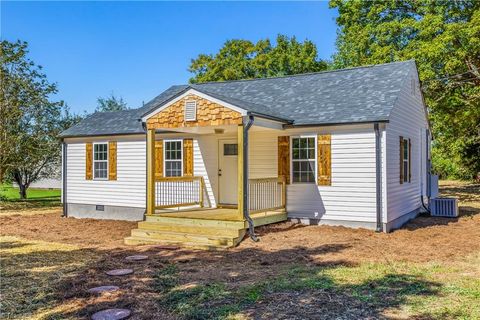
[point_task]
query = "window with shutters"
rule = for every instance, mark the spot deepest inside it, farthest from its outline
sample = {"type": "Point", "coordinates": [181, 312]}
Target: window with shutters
{"type": "Point", "coordinates": [173, 158]}
{"type": "Point", "coordinates": [100, 161]}
{"type": "Point", "coordinates": [406, 160]}
{"type": "Point", "coordinates": [303, 160]}
{"type": "Point", "coordinates": [190, 110]}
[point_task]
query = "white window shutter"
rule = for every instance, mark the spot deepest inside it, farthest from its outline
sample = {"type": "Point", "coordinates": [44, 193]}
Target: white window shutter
{"type": "Point", "coordinates": [190, 110]}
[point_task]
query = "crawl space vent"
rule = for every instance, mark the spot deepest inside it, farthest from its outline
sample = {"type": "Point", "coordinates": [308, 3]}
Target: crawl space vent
{"type": "Point", "coordinates": [444, 207]}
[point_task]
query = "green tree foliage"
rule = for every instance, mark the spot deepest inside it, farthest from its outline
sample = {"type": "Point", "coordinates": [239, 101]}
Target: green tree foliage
{"type": "Point", "coordinates": [243, 59]}
{"type": "Point", "coordinates": [29, 121]}
{"type": "Point", "coordinates": [444, 39]}
{"type": "Point", "coordinates": [111, 103]}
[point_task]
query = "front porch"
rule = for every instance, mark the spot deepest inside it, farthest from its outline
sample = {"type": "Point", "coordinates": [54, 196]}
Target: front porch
{"type": "Point", "coordinates": [184, 215]}
{"type": "Point", "coordinates": [207, 186]}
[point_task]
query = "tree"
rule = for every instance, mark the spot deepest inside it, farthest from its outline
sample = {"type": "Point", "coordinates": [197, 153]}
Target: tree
{"type": "Point", "coordinates": [243, 59]}
{"type": "Point", "coordinates": [444, 39]}
{"type": "Point", "coordinates": [111, 103]}
{"type": "Point", "coordinates": [29, 121]}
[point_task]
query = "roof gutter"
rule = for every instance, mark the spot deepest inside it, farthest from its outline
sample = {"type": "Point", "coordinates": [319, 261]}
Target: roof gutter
{"type": "Point", "coordinates": [103, 135]}
{"type": "Point", "coordinates": [288, 126]}
{"type": "Point", "coordinates": [266, 116]}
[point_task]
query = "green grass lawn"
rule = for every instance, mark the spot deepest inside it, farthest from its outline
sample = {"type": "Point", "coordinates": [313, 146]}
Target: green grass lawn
{"type": "Point", "coordinates": [36, 198]}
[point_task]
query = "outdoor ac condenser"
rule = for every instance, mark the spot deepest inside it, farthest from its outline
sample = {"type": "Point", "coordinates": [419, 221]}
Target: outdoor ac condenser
{"type": "Point", "coordinates": [444, 207]}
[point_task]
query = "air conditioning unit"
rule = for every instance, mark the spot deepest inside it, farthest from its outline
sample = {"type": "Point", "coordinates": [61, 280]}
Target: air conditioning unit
{"type": "Point", "coordinates": [444, 207]}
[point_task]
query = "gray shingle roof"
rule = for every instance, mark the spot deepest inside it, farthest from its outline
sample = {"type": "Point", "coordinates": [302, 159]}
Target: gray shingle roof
{"type": "Point", "coordinates": [363, 94]}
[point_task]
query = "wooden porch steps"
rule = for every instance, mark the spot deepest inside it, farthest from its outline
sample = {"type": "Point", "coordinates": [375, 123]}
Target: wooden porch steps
{"type": "Point", "coordinates": [196, 232]}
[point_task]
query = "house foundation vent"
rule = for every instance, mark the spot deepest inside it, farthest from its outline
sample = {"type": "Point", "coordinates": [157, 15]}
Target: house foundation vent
{"type": "Point", "coordinates": [444, 207]}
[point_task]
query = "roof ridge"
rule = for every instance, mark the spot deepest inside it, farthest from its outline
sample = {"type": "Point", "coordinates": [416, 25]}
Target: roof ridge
{"type": "Point", "coordinates": [301, 74]}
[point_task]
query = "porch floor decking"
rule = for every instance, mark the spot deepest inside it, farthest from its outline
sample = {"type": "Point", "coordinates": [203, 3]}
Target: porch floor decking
{"type": "Point", "coordinates": [200, 228]}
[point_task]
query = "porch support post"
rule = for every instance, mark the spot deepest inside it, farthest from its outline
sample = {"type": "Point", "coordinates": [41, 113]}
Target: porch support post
{"type": "Point", "coordinates": [240, 173]}
{"type": "Point", "coordinates": [150, 171]}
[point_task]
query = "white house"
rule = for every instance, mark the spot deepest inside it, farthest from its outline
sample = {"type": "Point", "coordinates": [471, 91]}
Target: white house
{"type": "Point", "coordinates": [203, 163]}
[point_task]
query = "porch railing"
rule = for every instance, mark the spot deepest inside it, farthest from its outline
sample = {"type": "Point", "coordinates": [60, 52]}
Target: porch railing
{"type": "Point", "coordinates": [266, 194]}
{"type": "Point", "coordinates": [175, 192]}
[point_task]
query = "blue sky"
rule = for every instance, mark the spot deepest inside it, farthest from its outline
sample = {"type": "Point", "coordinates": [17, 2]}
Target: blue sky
{"type": "Point", "coordinates": [138, 49]}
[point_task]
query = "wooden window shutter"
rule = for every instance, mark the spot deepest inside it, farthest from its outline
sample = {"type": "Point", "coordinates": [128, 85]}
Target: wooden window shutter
{"type": "Point", "coordinates": [158, 158]}
{"type": "Point", "coordinates": [409, 160]}
{"type": "Point", "coordinates": [284, 158]}
{"type": "Point", "coordinates": [188, 157]}
{"type": "Point", "coordinates": [112, 160]}
{"type": "Point", "coordinates": [401, 160]}
{"type": "Point", "coordinates": [89, 161]}
{"type": "Point", "coordinates": [324, 160]}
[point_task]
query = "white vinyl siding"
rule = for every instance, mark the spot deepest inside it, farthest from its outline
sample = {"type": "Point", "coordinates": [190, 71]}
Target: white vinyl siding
{"type": "Point", "coordinates": [352, 195]}
{"type": "Point", "coordinates": [408, 120]}
{"type": "Point", "coordinates": [129, 188]}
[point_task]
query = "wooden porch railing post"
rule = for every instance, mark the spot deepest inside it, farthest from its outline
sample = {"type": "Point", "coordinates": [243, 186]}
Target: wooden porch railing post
{"type": "Point", "coordinates": [150, 171]}
{"type": "Point", "coordinates": [202, 185]}
{"type": "Point", "coordinates": [284, 192]}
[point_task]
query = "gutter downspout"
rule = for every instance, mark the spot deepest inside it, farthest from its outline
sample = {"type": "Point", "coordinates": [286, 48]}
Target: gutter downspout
{"type": "Point", "coordinates": [144, 126]}
{"type": "Point", "coordinates": [246, 214]}
{"type": "Point", "coordinates": [64, 179]}
{"type": "Point", "coordinates": [428, 172]}
{"type": "Point", "coordinates": [378, 171]}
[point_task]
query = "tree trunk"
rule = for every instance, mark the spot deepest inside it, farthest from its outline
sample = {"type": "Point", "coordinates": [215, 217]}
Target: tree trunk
{"type": "Point", "coordinates": [22, 191]}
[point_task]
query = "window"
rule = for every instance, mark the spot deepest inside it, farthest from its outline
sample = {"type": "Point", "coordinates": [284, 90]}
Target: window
{"type": "Point", "coordinates": [173, 158]}
{"type": "Point", "coordinates": [303, 159]}
{"type": "Point", "coordinates": [230, 149]}
{"type": "Point", "coordinates": [406, 160]}
{"type": "Point", "coordinates": [100, 160]}
{"type": "Point", "coordinates": [190, 110]}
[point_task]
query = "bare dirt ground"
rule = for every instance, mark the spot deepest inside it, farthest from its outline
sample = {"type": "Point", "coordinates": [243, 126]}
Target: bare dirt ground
{"type": "Point", "coordinates": [294, 272]}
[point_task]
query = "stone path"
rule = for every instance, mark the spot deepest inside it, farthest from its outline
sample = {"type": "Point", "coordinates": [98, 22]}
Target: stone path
{"type": "Point", "coordinates": [136, 258]}
{"type": "Point", "coordinates": [115, 313]}
{"type": "Point", "coordinates": [119, 272]}
{"type": "Point", "coordinates": [112, 314]}
{"type": "Point", "coordinates": [103, 289]}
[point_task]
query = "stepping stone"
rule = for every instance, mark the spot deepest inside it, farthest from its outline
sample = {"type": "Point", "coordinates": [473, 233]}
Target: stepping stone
{"type": "Point", "coordinates": [102, 289]}
{"type": "Point", "coordinates": [111, 314]}
{"type": "Point", "coordinates": [119, 272]}
{"type": "Point", "coordinates": [136, 258]}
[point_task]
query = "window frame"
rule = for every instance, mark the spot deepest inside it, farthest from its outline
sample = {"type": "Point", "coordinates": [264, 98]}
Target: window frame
{"type": "Point", "coordinates": [230, 155]}
{"type": "Point", "coordinates": [165, 157]}
{"type": "Point", "coordinates": [107, 161]}
{"type": "Point", "coordinates": [406, 161]}
{"type": "Point", "coordinates": [315, 172]}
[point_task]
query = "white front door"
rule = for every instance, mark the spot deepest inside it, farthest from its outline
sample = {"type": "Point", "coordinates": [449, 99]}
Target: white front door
{"type": "Point", "coordinates": [227, 171]}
